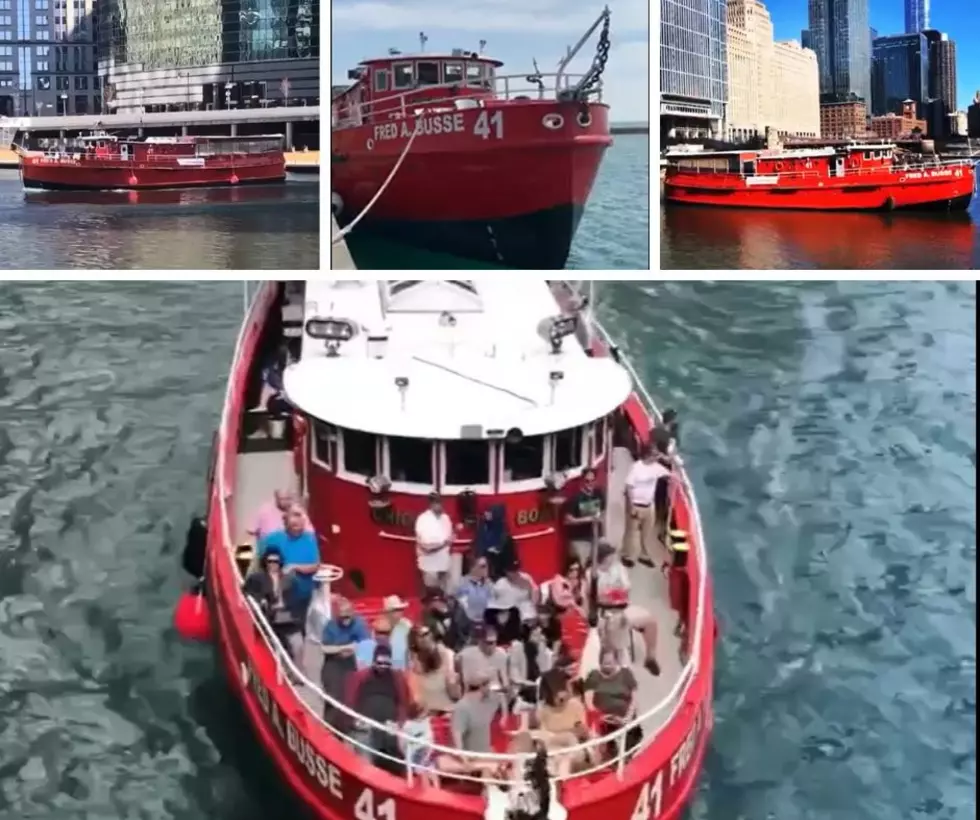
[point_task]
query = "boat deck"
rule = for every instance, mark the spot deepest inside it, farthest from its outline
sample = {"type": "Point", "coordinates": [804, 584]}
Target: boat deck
{"type": "Point", "coordinates": [259, 474]}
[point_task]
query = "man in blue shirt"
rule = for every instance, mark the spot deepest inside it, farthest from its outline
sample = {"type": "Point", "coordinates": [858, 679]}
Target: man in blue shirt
{"type": "Point", "coordinates": [343, 632]}
{"type": "Point", "coordinates": [300, 556]}
{"type": "Point", "coordinates": [473, 592]}
{"type": "Point", "coordinates": [382, 637]}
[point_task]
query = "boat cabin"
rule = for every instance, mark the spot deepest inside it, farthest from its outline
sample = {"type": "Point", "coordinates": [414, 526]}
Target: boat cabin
{"type": "Point", "coordinates": [824, 161]}
{"type": "Point", "coordinates": [411, 387]}
{"type": "Point", "coordinates": [390, 87]}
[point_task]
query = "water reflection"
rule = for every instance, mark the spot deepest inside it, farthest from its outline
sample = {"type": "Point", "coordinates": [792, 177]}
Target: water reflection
{"type": "Point", "coordinates": [694, 237]}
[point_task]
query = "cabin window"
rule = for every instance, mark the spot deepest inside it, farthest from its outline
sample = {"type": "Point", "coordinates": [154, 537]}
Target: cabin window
{"type": "Point", "coordinates": [323, 435]}
{"type": "Point", "coordinates": [410, 461]}
{"type": "Point", "coordinates": [466, 463]}
{"type": "Point", "coordinates": [474, 73]}
{"type": "Point", "coordinates": [404, 75]}
{"type": "Point", "coordinates": [568, 449]}
{"type": "Point", "coordinates": [453, 73]}
{"type": "Point", "coordinates": [360, 456]}
{"type": "Point", "coordinates": [524, 460]}
{"type": "Point", "coordinates": [597, 437]}
{"type": "Point", "coordinates": [428, 73]}
{"type": "Point", "coordinates": [381, 79]}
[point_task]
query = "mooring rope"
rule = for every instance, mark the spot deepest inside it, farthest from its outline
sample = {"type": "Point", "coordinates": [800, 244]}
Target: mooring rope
{"type": "Point", "coordinates": [344, 231]}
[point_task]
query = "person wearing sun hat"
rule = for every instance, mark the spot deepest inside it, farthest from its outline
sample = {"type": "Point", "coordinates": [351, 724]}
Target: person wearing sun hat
{"type": "Point", "coordinates": [401, 626]}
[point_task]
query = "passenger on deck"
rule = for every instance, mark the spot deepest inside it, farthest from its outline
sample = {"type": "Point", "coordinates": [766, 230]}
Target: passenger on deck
{"type": "Point", "coordinates": [432, 675]}
{"type": "Point", "coordinates": [562, 720]}
{"type": "Point", "coordinates": [610, 690]}
{"type": "Point", "coordinates": [272, 515]}
{"type": "Point", "coordinates": [513, 601]}
{"type": "Point", "coordinates": [318, 612]}
{"type": "Point", "coordinates": [300, 555]}
{"type": "Point", "coordinates": [550, 624]}
{"type": "Point", "coordinates": [473, 592]}
{"type": "Point", "coordinates": [640, 538]}
{"type": "Point", "coordinates": [484, 659]}
{"type": "Point", "coordinates": [583, 517]}
{"type": "Point", "coordinates": [274, 592]}
{"type": "Point", "coordinates": [433, 543]}
{"type": "Point", "coordinates": [382, 637]}
{"type": "Point", "coordinates": [529, 659]}
{"type": "Point", "coordinates": [446, 619]}
{"type": "Point", "coordinates": [473, 717]}
{"type": "Point", "coordinates": [272, 374]}
{"type": "Point", "coordinates": [568, 591]}
{"type": "Point", "coordinates": [340, 638]}
{"type": "Point", "coordinates": [617, 616]}
{"type": "Point", "coordinates": [395, 609]}
{"type": "Point", "coordinates": [492, 542]}
{"type": "Point", "coordinates": [418, 750]}
{"type": "Point", "coordinates": [381, 694]}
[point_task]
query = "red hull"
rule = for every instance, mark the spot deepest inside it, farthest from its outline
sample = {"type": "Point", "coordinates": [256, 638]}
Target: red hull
{"type": "Point", "coordinates": [494, 184]}
{"type": "Point", "coordinates": [947, 188]}
{"type": "Point", "coordinates": [336, 784]}
{"type": "Point", "coordinates": [100, 175]}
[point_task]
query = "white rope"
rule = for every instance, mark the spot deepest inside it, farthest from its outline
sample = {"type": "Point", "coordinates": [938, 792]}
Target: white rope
{"type": "Point", "coordinates": [344, 231]}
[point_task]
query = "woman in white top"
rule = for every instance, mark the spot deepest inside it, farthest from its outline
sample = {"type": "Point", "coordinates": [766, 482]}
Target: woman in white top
{"type": "Point", "coordinates": [617, 616]}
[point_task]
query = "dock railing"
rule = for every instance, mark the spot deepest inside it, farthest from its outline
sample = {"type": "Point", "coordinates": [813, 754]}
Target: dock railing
{"type": "Point", "coordinates": [290, 674]}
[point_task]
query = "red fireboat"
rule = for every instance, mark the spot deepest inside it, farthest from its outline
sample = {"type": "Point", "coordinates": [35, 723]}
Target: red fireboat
{"type": "Point", "coordinates": [855, 177]}
{"type": "Point", "coordinates": [488, 397]}
{"type": "Point", "coordinates": [440, 151]}
{"type": "Point", "coordinates": [103, 162]}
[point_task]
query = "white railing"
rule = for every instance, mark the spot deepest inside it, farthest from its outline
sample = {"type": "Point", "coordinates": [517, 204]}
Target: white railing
{"type": "Point", "coordinates": [284, 663]}
{"type": "Point", "coordinates": [415, 101]}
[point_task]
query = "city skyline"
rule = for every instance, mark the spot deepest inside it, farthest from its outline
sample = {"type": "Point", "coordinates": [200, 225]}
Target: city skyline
{"type": "Point", "coordinates": [790, 18]}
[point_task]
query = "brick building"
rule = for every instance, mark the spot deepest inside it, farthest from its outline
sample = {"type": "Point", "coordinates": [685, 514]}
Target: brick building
{"type": "Point", "coordinates": [843, 120]}
{"type": "Point", "coordinates": [895, 126]}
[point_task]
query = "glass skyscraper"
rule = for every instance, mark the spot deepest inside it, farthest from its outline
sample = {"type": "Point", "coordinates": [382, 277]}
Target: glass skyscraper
{"type": "Point", "coordinates": [899, 72]}
{"type": "Point", "coordinates": [916, 16]}
{"type": "Point", "coordinates": [840, 35]}
{"type": "Point", "coordinates": [693, 59]}
{"type": "Point", "coordinates": [200, 54]}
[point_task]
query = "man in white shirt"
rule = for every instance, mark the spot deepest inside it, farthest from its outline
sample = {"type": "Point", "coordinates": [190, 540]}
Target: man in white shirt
{"type": "Point", "coordinates": [641, 519]}
{"type": "Point", "coordinates": [433, 540]}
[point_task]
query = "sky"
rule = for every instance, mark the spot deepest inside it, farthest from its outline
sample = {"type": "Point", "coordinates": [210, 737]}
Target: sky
{"type": "Point", "coordinates": [516, 31]}
{"type": "Point", "coordinates": [960, 19]}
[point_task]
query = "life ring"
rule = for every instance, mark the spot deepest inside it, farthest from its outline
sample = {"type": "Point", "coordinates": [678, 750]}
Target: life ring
{"type": "Point", "coordinates": [370, 144]}
{"type": "Point", "coordinates": [779, 166]}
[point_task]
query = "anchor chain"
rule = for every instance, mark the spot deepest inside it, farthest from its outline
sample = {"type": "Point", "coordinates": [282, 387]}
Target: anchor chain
{"type": "Point", "coordinates": [588, 83]}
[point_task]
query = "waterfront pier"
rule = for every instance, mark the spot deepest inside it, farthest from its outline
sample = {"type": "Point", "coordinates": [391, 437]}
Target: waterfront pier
{"type": "Point", "coordinates": [340, 258]}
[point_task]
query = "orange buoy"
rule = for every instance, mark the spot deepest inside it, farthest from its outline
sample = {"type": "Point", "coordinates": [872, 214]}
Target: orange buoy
{"type": "Point", "coordinates": [132, 179]}
{"type": "Point", "coordinates": [192, 620]}
{"type": "Point", "coordinates": [234, 179]}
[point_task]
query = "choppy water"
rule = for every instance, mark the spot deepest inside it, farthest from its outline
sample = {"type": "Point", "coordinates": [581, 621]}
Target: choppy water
{"type": "Point", "coordinates": [693, 238]}
{"type": "Point", "coordinates": [830, 430]}
{"type": "Point", "coordinates": [614, 233]}
{"type": "Point", "coordinates": [250, 228]}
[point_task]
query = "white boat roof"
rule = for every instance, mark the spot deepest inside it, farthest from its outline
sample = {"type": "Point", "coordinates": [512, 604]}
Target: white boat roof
{"type": "Point", "coordinates": [487, 373]}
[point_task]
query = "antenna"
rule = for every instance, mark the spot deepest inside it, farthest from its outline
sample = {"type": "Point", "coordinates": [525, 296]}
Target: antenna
{"type": "Point", "coordinates": [483, 45]}
{"type": "Point", "coordinates": [422, 40]}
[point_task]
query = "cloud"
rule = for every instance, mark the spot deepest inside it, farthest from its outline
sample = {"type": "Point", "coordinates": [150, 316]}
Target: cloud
{"type": "Point", "coordinates": [519, 16]}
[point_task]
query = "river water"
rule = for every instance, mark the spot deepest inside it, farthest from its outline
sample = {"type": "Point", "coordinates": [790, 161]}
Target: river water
{"type": "Point", "coordinates": [693, 238]}
{"type": "Point", "coordinates": [830, 433]}
{"type": "Point", "coordinates": [249, 228]}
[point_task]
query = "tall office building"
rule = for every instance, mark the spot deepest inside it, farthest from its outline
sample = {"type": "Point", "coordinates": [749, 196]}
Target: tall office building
{"type": "Point", "coordinates": [47, 57]}
{"type": "Point", "coordinates": [899, 72]}
{"type": "Point", "coordinates": [916, 16]}
{"type": "Point", "coordinates": [159, 55]}
{"type": "Point", "coordinates": [840, 34]}
{"type": "Point", "coordinates": [942, 82]}
{"type": "Point", "coordinates": [693, 62]}
{"type": "Point", "coordinates": [770, 85]}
